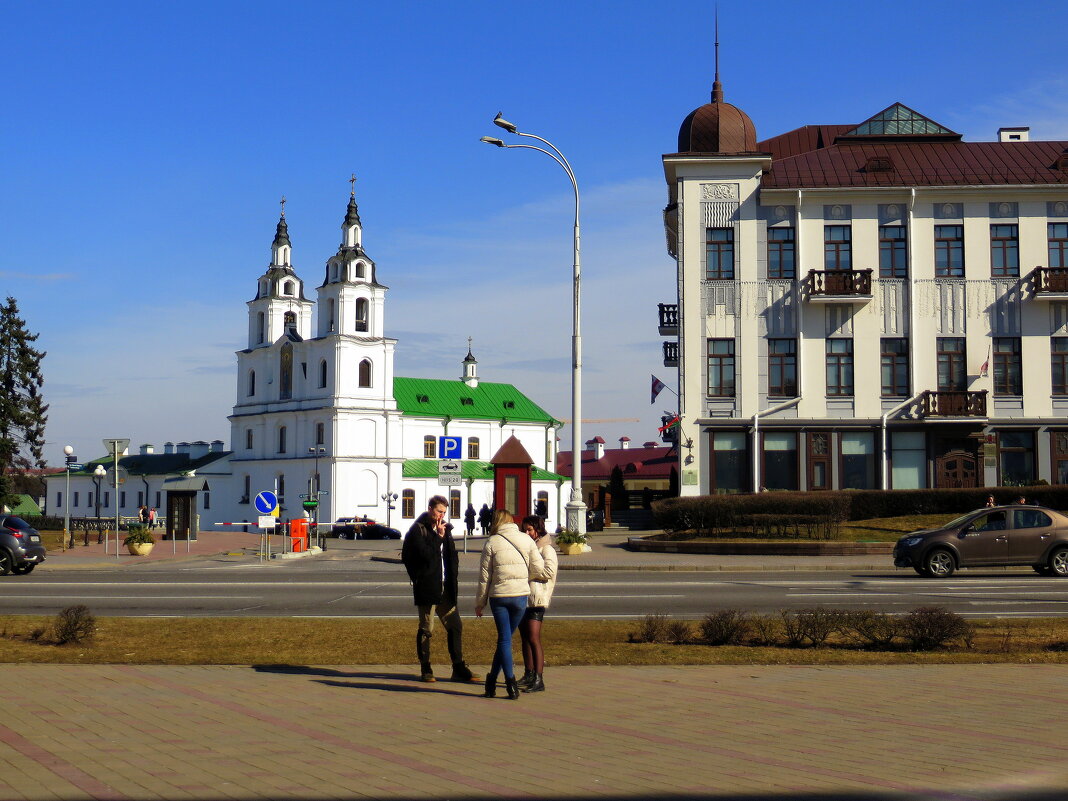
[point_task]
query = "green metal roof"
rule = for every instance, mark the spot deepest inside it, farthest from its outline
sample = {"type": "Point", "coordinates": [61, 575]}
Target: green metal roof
{"type": "Point", "coordinates": [26, 506]}
{"type": "Point", "coordinates": [428, 468]}
{"type": "Point", "coordinates": [153, 464]}
{"type": "Point", "coordinates": [435, 397]}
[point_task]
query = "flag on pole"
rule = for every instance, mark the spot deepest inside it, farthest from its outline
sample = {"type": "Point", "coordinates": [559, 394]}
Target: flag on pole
{"type": "Point", "coordinates": [657, 387]}
{"type": "Point", "coordinates": [674, 421]}
{"type": "Point", "coordinates": [985, 367]}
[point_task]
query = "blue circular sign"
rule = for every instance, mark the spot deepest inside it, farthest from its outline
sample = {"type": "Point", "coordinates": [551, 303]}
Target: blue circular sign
{"type": "Point", "coordinates": [266, 502]}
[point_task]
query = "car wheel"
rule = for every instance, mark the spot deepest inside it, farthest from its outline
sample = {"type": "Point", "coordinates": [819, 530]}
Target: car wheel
{"type": "Point", "coordinates": [939, 563]}
{"type": "Point", "coordinates": [22, 570]}
{"type": "Point", "coordinates": [1058, 563]}
{"type": "Point", "coordinates": [7, 561]}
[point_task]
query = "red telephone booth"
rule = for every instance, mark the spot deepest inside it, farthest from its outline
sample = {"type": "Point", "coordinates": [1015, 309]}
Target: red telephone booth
{"type": "Point", "coordinates": [512, 472]}
{"type": "Point", "coordinates": [298, 534]}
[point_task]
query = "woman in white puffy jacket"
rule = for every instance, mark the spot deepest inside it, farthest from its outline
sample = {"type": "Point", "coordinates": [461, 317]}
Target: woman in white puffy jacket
{"type": "Point", "coordinates": [541, 593]}
{"type": "Point", "coordinates": [510, 561]}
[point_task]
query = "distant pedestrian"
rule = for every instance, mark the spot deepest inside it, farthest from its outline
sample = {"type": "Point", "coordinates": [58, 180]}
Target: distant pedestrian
{"type": "Point", "coordinates": [1022, 500]}
{"type": "Point", "coordinates": [485, 517]}
{"type": "Point", "coordinates": [469, 520]}
{"type": "Point", "coordinates": [142, 514]}
{"type": "Point", "coordinates": [990, 501]}
{"type": "Point", "coordinates": [541, 593]}
{"type": "Point", "coordinates": [152, 517]}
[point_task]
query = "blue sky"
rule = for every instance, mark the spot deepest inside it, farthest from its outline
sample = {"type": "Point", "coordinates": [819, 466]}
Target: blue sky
{"type": "Point", "coordinates": [146, 147]}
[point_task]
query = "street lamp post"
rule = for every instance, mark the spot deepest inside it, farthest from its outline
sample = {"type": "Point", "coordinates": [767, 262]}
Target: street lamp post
{"type": "Point", "coordinates": [98, 474]}
{"type": "Point", "coordinates": [313, 494]}
{"type": "Point", "coordinates": [116, 447]}
{"type": "Point", "coordinates": [68, 538]}
{"type": "Point", "coordinates": [576, 507]}
{"type": "Point", "coordinates": [389, 498]}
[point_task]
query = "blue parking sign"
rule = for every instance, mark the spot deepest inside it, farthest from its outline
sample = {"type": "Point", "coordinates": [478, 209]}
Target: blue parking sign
{"type": "Point", "coordinates": [449, 447]}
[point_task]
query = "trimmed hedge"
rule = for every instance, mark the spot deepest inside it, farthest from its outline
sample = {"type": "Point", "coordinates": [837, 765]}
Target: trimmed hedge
{"type": "Point", "coordinates": [705, 514]}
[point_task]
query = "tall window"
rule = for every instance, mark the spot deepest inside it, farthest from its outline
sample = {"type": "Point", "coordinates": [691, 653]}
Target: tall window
{"type": "Point", "coordinates": [1004, 251]}
{"type": "Point", "coordinates": [782, 367]}
{"type": "Point", "coordinates": [1059, 441]}
{"type": "Point", "coordinates": [331, 318]}
{"type": "Point", "coordinates": [408, 503]}
{"type": "Point", "coordinates": [1008, 368]}
{"type": "Point", "coordinates": [837, 247]}
{"type": "Point", "coordinates": [248, 439]}
{"type": "Point", "coordinates": [1058, 244]}
{"type": "Point", "coordinates": [365, 373]}
{"type": "Point", "coordinates": [729, 457]}
{"type": "Point", "coordinates": [281, 489]}
{"type": "Point", "coordinates": [1058, 347]}
{"type": "Point", "coordinates": [289, 319]}
{"type": "Point", "coordinates": [858, 460]}
{"type": "Point", "coordinates": [952, 375]}
{"type": "Point", "coordinates": [949, 251]}
{"type": "Point", "coordinates": [781, 260]}
{"type": "Point", "coordinates": [472, 447]}
{"type": "Point", "coordinates": [320, 433]}
{"type": "Point", "coordinates": [322, 374]}
{"type": "Point", "coordinates": [75, 499]}
{"type": "Point", "coordinates": [251, 383]}
{"type": "Point", "coordinates": [719, 249]}
{"type": "Point", "coordinates": [454, 504]}
{"type": "Point", "coordinates": [361, 314]}
{"type": "Point", "coordinates": [430, 447]}
{"type": "Point", "coordinates": [840, 367]}
{"type": "Point", "coordinates": [721, 368]}
{"type": "Point", "coordinates": [895, 367]}
{"type": "Point", "coordinates": [261, 327]}
{"type": "Point", "coordinates": [780, 461]}
{"type": "Point", "coordinates": [1016, 450]}
{"type": "Point", "coordinates": [281, 439]}
{"type": "Point", "coordinates": [247, 495]}
{"type": "Point", "coordinates": [285, 371]}
{"type": "Point", "coordinates": [908, 457]}
{"type": "Point", "coordinates": [893, 252]}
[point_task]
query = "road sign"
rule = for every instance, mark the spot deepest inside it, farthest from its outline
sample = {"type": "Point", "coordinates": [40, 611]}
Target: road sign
{"type": "Point", "coordinates": [74, 465]}
{"type": "Point", "coordinates": [449, 474]}
{"type": "Point", "coordinates": [449, 447]}
{"type": "Point", "coordinates": [268, 521]}
{"type": "Point", "coordinates": [266, 502]}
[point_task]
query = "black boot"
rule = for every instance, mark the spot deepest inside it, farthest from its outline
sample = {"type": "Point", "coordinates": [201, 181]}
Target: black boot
{"type": "Point", "coordinates": [422, 649]}
{"type": "Point", "coordinates": [513, 688]}
{"type": "Point", "coordinates": [528, 677]}
{"type": "Point", "coordinates": [536, 686]}
{"type": "Point", "coordinates": [491, 687]}
{"type": "Point", "coordinates": [461, 672]}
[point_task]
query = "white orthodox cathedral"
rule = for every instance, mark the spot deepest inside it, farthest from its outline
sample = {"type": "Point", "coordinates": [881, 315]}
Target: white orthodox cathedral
{"type": "Point", "coordinates": [320, 411]}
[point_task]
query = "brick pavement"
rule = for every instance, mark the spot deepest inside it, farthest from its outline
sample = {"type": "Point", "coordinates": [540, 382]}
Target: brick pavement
{"type": "Point", "coordinates": [953, 733]}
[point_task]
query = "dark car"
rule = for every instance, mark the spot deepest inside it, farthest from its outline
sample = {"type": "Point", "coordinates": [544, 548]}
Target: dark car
{"type": "Point", "coordinates": [376, 531]}
{"type": "Point", "coordinates": [345, 528]}
{"type": "Point", "coordinates": [20, 546]}
{"type": "Point", "coordinates": [992, 537]}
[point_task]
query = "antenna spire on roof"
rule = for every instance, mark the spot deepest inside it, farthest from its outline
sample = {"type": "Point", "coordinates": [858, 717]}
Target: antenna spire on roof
{"type": "Point", "coordinates": [283, 204]}
{"type": "Point", "coordinates": [717, 87]}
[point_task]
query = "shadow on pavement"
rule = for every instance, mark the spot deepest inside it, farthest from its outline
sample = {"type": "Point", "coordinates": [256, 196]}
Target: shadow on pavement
{"type": "Point", "coordinates": [914, 795]}
{"type": "Point", "coordinates": [335, 678]}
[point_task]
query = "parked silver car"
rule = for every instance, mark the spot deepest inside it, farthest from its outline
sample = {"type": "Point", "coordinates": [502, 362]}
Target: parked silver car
{"type": "Point", "coordinates": [21, 549]}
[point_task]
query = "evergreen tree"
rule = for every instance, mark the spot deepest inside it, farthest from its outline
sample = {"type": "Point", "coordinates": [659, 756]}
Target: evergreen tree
{"type": "Point", "coordinates": [23, 412]}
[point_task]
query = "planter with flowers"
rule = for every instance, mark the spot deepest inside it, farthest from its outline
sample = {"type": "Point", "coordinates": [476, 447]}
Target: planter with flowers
{"type": "Point", "coordinates": [139, 541]}
{"type": "Point", "coordinates": [571, 543]}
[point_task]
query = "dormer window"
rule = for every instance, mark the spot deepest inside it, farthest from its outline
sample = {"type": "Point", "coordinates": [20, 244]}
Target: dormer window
{"type": "Point", "coordinates": [509, 404]}
{"type": "Point", "coordinates": [879, 164]}
{"type": "Point", "coordinates": [467, 401]}
{"type": "Point", "coordinates": [422, 399]}
{"type": "Point", "coordinates": [358, 270]}
{"type": "Point", "coordinates": [1062, 161]}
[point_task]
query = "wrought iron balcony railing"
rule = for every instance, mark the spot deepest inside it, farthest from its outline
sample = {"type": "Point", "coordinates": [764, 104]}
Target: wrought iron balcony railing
{"type": "Point", "coordinates": [1050, 279]}
{"type": "Point", "coordinates": [671, 354]}
{"type": "Point", "coordinates": [669, 319]}
{"type": "Point", "coordinates": [839, 283]}
{"type": "Point", "coordinates": [953, 403]}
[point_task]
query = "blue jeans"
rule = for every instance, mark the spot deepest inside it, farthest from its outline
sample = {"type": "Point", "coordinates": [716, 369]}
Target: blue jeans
{"type": "Point", "coordinates": [507, 612]}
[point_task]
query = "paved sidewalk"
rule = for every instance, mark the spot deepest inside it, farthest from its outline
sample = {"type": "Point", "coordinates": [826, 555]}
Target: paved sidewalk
{"type": "Point", "coordinates": [954, 733]}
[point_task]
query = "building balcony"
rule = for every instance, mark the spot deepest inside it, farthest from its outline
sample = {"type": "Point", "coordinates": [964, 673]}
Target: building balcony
{"type": "Point", "coordinates": [838, 286]}
{"type": "Point", "coordinates": [953, 403]}
{"type": "Point", "coordinates": [1050, 283]}
{"type": "Point", "coordinates": [669, 319]}
{"type": "Point", "coordinates": [671, 354]}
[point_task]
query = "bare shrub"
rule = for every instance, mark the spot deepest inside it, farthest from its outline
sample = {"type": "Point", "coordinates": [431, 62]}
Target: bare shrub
{"type": "Point", "coordinates": [813, 625]}
{"type": "Point", "coordinates": [871, 629]}
{"type": "Point", "coordinates": [930, 627]}
{"type": "Point", "coordinates": [792, 629]}
{"type": "Point", "coordinates": [678, 632]}
{"type": "Point", "coordinates": [653, 628]}
{"type": "Point", "coordinates": [726, 627]}
{"type": "Point", "coordinates": [765, 628]}
{"type": "Point", "coordinates": [74, 624]}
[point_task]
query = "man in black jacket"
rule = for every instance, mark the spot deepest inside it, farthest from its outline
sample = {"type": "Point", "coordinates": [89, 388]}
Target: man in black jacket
{"type": "Point", "coordinates": [429, 556]}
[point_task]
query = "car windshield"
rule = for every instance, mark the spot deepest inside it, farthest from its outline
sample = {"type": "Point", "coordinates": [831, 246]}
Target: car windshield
{"type": "Point", "coordinates": [960, 521]}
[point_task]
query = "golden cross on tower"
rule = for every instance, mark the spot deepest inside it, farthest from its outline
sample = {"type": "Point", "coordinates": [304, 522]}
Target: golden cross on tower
{"type": "Point", "coordinates": [352, 183]}
{"type": "Point", "coordinates": [283, 203]}
{"type": "Point", "coordinates": [469, 344]}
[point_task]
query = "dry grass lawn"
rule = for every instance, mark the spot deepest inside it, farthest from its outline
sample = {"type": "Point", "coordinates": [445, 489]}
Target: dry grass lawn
{"type": "Point", "coordinates": [370, 641]}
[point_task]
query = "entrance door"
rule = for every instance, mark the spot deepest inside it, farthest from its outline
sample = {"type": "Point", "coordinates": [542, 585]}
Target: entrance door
{"type": "Point", "coordinates": [957, 469]}
{"type": "Point", "coordinates": [819, 460]}
{"type": "Point", "coordinates": [180, 511]}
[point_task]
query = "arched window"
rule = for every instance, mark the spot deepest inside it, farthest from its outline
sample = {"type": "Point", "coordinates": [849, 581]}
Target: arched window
{"type": "Point", "coordinates": [358, 270]}
{"type": "Point", "coordinates": [472, 447]}
{"type": "Point", "coordinates": [290, 322]}
{"type": "Point", "coordinates": [263, 289]}
{"type": "Point", "coordinates": [454, 504]}
{"type": "Point", "coordinates": [251, 383]}
{"type": "Point", "coordinates": [281, 439]}
{"type": "Point", "coordinates": [322, 374]}
{"type": "Point", "coordinates": [320, 433]}
{"type": "Point", "coordinates": [331, 321]}
{"type": "Point", "coordinates": [281, 489]}
{"type": "Point", "coordinates": [261, 323]}
{"type": "Point", "coordinates": [248, 439]}
{"type": "Point", "coordinates": [365, 373]}
{"type": "Point", "coordinates": [408, 503]}
{"type": "Point", "coordinates": [333, 272]}
{"type": "Point", "coordinates": [361, 314]}
{"type": "Point", "coordinates": [285, 372]}
{"type": "Point", "coordinates": [430, 450]}
{"type": "Point", "coordinates": [248, 490]}
{"type": "Point", "coordinates": [289, 288]}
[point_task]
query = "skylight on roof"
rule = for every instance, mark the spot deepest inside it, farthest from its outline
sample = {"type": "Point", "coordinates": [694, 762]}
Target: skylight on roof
{"type": "Point", "coordinates": [898, 120]}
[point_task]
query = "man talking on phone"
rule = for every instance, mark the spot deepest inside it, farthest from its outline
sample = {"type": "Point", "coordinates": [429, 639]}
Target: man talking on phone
{"type": "Point", "coordinates": [429, 556]}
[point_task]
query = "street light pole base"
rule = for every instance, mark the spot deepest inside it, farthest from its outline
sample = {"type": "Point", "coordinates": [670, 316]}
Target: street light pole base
{"type": "Point", "coordinates": [576, 516]}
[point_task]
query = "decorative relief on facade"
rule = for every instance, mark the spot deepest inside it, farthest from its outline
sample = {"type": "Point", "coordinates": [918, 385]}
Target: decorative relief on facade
{"type": "Point", "coordinates": [890, 299]}
{"type": "Point", "coordinates": [1003, 209]}
{"type": "Point", "coordinates": [719, 191]}
{"type": "Point", "coordinates": [1057, 208]}
{"type": "Point", "coordinates": [1005, 310]}
{"type": "Point", "coordinates": [949, 211]}
{"type": "Point", "coordinates": [780, 212]}
{"type": "Point", "coordinates": [838, 211]}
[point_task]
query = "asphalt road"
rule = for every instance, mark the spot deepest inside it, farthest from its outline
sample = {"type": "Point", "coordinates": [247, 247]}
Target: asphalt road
{"type": "Point", "coordinates": [343, 588]}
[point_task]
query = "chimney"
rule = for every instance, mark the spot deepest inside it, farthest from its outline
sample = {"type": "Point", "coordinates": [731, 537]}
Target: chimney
{"type": "Point", "coordinates": [183, 447]}
{"type": "Point", "coordinates": [217, 446]}
{"type": "Point", "coordinates": [168, 447]}
{"type": "Point", "coordinates": [650, 444]}
{"type": "Point", "coordinates": [1019, 134]}
{"type": "Point", "coordinates": [597, 446]}
{"type": "Point", "coordinates": [624, 443]}
{"type": "Point", "coordinates": [198, 449]}
{"type": "Point", "coordinates": [147, 450]}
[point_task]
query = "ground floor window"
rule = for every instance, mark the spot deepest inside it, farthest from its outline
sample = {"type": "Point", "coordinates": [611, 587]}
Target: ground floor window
{"type": "Point", "coordinates": [858, 460]}
{"type": "Point", "coordinates": [908, 454]}
{"type": "Point", "coordinates": [728, 461]}
{"type": "Point", "coordinates": [454, 504]}
{"type": "Point", "coordinates": [819, 460]}
{"type": "Point", "coordinates": [1016, 450]}
{"type": "Point", "coordinates": [780, 461]}
{"type": "Point", "coordinates": [408, 503]}
{"type": "Point", "coordinates": [1059, 449]}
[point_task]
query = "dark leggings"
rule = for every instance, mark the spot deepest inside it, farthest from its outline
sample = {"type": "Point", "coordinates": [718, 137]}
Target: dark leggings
{"type": "Point", "coordinates": [530, 632]}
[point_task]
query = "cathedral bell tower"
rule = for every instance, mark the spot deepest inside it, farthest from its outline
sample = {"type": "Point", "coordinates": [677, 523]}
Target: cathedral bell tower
{"type": "Point", "coordinates": [279, 308]}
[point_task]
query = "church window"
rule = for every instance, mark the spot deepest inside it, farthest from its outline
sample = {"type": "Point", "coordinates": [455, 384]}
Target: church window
{"type": "Point", "coordinates": [248, 490]}
{"type": "Point", "coordinates": [251, 383]}
{"type": "Point", "coordinates": [290, 322]}
{"type": "Point", "coordinates": [206, 501]}
{"type": "Point", "coordinates": [322, 374]}
{"type": "Point", "coordinates": [454, 504]}
{"type": "Point", "coordinates": [320, 433]}
{"type": "Point", "coordinates": [361, 314]}
{"type": "Point", "coordinates": [289, 288]}
{"type": "Point", "coordinates": [281, 489]}
{"type": "Point", "coordinates": [365, 373]}
{"type": "Point", "coordinates": [408, 503]}
{"type": "Point", "coordinates": [248, 439]}
{"type": "Point", "coordinates": [261, 323]}
{"type": "Point", "coordinates": [331, 325]}
{"type": "Point", "coordinates": [285, 388]}
{"type": "Point", "coordinates": [472, 447]}
{"type": "Point", "coordinates": [430, 450]}
{"type": "Point", "coordinates": [281, 439]}
{"type": "Point", "coordinates": [358, 270]}
{"type": "Point", "coordinates": [333, 272]}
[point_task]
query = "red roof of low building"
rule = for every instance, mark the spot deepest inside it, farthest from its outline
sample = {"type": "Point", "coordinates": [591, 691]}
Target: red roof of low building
{"type": "Point", "coordinates": [651, 463]}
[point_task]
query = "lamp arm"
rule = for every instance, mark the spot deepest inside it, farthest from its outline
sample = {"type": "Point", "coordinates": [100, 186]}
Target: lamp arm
{"type": "Point", "coordinates": [562, 160]}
